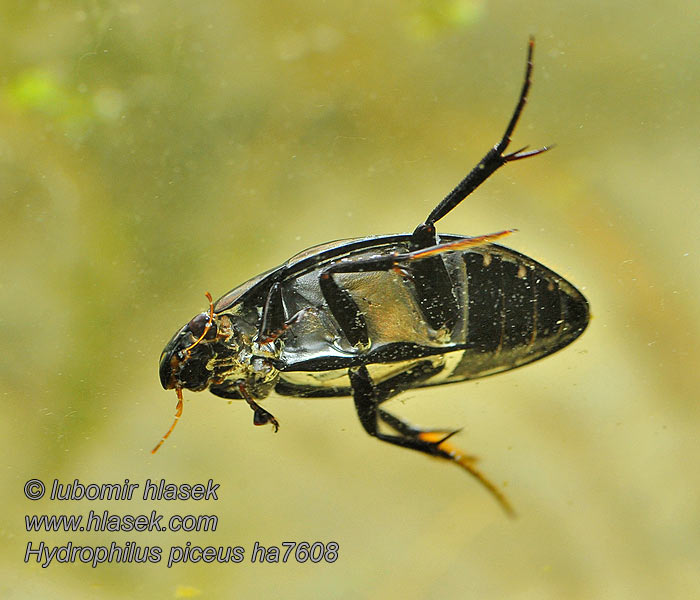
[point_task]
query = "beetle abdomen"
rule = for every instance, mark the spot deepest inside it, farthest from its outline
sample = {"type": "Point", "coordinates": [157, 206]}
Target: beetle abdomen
{"type": "Point", "coordinates": [517, 311]}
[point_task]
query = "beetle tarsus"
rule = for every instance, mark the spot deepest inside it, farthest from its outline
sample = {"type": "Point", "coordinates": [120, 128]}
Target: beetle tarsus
{"type": "Point", "coordinates": [433, 442]}
{"type": "Point", "coordinates": [262, 417]}
{"type": "Point", "coordinates": [467, 462]}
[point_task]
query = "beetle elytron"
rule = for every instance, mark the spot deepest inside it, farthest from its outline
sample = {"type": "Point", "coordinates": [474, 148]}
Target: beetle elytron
{"type": "Point", "coordinates": [372, 317]}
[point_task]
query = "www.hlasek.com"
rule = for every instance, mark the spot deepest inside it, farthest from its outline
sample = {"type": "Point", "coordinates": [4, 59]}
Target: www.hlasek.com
{"type": "Point", "coordinates": [105, 521]}
{"type": "Point", "coordinates": [131, 552]}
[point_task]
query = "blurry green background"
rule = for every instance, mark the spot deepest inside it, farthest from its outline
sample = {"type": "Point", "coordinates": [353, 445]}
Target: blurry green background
{"type": "Point", "coordinates": [151, 151]}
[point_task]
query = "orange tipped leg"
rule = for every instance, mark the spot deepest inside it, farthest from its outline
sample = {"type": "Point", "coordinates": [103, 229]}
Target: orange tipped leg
{"type": "Point", "coordinates": [467, 463]}
{"type": "Point", "coordinates": [367, 398]}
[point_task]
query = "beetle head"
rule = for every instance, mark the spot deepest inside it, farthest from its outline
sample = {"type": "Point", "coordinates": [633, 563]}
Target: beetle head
{"type": "Point", "coordinates": [183, 363]}
{"type": "Point", "coordinates": [213, 351]}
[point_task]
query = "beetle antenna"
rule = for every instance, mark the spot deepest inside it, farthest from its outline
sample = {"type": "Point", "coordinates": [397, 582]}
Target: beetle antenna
{"type": "Point", "coordinates": [178, 414]}
{"type": "Point", "coordinates": [207, 327]}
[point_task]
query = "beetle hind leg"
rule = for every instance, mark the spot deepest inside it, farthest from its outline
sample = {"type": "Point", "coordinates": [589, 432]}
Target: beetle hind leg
{"type": "Point", "coordinates": [424, 234]}
{"type": "Point", "coordinates": [433, 286]}
{"type": "Point", "coordinates": [436, 437]}
{"type": "Point", "coordinates": [367, 398]}
{"type": "Point", "coordinates": [467, 462]}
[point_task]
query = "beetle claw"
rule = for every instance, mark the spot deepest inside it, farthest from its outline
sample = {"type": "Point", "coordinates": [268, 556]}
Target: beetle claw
{"type": "Point", "coordinates": [438, 437]}
{"type": "Point", "coordinates": [518, 154]}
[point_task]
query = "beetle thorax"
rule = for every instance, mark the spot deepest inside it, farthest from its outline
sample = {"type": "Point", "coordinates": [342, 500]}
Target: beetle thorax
{"type": "Point", "coordinates": [240, 359]}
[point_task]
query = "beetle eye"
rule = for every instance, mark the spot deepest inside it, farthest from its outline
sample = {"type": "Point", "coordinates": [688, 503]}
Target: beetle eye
{"type": "Point", "coordinates": [199, 323]}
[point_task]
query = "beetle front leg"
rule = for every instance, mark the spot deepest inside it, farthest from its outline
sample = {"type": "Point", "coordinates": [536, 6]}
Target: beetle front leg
{"type": "Point", "coordinates": [431, 442]}
{"type": "Point", "coordinates": [260, 415]}
{"type": "Point", "coordinates": [273, 312]}
{"type": "Point", "coordinates": [270, 335]}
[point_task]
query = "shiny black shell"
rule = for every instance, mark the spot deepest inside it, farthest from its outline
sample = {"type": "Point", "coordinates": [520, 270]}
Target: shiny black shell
{"type": "Point", "coordinates": [513, 310]}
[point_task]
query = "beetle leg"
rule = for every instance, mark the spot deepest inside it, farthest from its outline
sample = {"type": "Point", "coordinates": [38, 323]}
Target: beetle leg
{"type": "Point", "coordinates": [433, 443]}
{"type": "Point", "coordinates": [433, 291]}
{"type": "Point", "coordinates": [271, 336]}
{"type": "Point", "coordinates": [467, 463]}
{"type": "Point", "coordinates": [388, 262]}
{"type": "Point", "coordinates": [455, 246]}
{"type": "Point", "coordinates": [344, 309]}
{"type": "Point", "coordinates": [366, 403]}
{"type": "Point", "coordinates": [273, 324]}
{"type": "Point", "coordinates": [260, 415]}
{"type": "Point", "coordinates": [433, 285]}
{"type": "Point", "coordinates": [406, 380]}
{"type": "Point", "coordinates": [409, 430]}
{"type": "Point", "coordinates": [273, 312]}
{"type": "Point", "coordinates": [434, 288]}
{"type": "Point", "coordinates": [424, 235]}
{"type": "Point", "coordinates": [434, 436]}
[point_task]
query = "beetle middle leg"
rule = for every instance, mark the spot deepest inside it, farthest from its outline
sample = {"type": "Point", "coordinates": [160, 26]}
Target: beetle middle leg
{"type": "Point", "coordinates": [367, 398]}
{"type": "Point", "coordinates": [273, 324]}
{"type": "Point", "coordinates": [434, 294]}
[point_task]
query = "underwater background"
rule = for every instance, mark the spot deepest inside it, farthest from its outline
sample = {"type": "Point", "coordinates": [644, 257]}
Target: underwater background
{"type": "Point", "coordinates": [153, 151]}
